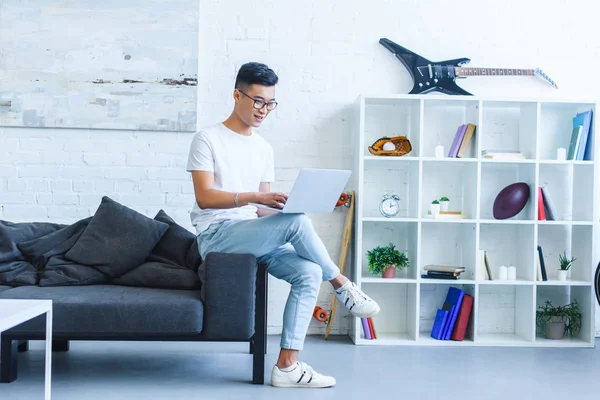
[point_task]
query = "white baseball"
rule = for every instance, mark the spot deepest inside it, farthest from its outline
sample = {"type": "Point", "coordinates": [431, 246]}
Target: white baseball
{"type": "Point", "coordinates": [389, 146]}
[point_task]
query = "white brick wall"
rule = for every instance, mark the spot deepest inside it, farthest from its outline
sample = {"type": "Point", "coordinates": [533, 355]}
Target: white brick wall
{"type": "Point", "coordinates": [326, 54]}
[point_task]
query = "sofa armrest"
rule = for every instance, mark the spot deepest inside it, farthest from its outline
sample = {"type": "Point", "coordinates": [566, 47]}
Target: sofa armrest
{"type": "Point", "coordinates": [229, 295]}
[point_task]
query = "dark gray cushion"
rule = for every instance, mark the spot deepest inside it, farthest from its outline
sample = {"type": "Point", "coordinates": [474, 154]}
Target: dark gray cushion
{"type": "Point", "coordinates": [18, 273]}
{"type": "Point", "coordinates": [47, 254]}
{"type": "Point", "coordinates": [109, 310]}
{"type": "Point", "coordinates": [117, 239]}
{"type": "Point", "coordinates": [3, 288]}
{"type": "Point", "coordinates": [14, 268]}
{"type": "Point", "coordinates": [38, 250]}
{"type": "Point", "coordinates": [160, 275]}
{"type": "Point", "coordinates": [12, 233]}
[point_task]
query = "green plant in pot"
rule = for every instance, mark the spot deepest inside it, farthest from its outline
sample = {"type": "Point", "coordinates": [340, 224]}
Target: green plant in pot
{"type": "Point", "coordinates": [565, 265]}
{"type": "Point", "coordinates": [385, 260]}
{"type": "Point", "coordinates": [557, 321]}
{"type": "Point", "coordinates": [444, 204]}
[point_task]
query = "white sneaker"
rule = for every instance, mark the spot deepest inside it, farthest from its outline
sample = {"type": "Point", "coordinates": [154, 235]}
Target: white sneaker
{"type": "Point", "coordinates": [359, 304]}
{"type": "Point", "coordinates": [301, 375]}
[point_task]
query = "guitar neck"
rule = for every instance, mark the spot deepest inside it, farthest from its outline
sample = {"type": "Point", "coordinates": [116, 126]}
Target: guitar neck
{"type": "Point", "coordinates": [460, 71]}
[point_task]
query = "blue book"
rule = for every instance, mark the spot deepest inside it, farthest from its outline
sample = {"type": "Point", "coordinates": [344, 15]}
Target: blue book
{"type": "Point", "coordinates": [589, 149]}
{"type": "Point", "coordinates": [454, 297]}
{"type": "Point", "coordinates": [438, 324]}
{"type": "Point", "coordinates": [584, 120]}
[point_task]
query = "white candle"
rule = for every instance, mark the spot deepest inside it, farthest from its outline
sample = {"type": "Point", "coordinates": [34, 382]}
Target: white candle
{"type": "Point", "coordinates": [512, 273]}
{"type": "Point", "coordinates": [439, 151]}
{"type": "Point", "coordinates": [502, 273]}
{"type": "Point", "coordinates": [561, 154]}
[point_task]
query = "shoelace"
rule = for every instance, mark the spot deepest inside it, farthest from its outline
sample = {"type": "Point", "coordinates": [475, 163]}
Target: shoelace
{"type": "Point", "coordinates": [357, 297]}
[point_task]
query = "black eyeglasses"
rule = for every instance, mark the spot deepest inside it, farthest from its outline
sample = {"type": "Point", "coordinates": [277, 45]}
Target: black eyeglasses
{"type": "Point", "coordinates": [258, 103]}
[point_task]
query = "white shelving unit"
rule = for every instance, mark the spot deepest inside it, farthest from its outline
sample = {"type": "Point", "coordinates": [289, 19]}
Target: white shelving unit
{"type": "Point", "coordinates": [504, 311]}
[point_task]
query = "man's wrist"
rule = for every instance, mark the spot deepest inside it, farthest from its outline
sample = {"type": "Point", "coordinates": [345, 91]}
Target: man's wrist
{"type": "Point", "coordinates": [245, 198]}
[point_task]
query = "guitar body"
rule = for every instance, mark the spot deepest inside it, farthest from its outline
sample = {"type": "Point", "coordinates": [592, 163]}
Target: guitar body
{"type": "Point", "coordinates": [429, 76]}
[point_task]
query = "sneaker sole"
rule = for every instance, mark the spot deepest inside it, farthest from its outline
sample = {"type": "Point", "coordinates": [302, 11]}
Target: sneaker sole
{"type": "Point", "coordinates": [367, 315]}
{"type": "Point", "coordinates": [300, 385]}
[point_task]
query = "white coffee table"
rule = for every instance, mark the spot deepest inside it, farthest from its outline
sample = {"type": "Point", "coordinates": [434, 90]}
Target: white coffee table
{"type": "Point", "coordinates": [15, 312]}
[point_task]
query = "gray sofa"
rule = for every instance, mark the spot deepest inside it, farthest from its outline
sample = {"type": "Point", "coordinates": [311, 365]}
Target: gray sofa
{"type": "Point", "coordinates": [155, 300]}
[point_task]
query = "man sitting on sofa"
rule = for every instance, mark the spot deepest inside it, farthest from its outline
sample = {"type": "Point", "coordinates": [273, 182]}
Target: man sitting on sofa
{"type": "Point", "coordinates": [233, 166]}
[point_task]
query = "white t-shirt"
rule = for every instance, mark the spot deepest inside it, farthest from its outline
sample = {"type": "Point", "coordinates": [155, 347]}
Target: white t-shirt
{"type": "Point", "coordinates": [239, 163]}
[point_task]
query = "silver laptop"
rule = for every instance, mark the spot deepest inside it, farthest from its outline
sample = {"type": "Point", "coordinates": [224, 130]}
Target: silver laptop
{"type": "Point", "coordinates": [314, 191]}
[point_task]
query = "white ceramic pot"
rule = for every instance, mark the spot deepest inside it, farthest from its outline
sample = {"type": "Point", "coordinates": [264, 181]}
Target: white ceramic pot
{"type": "Point", "coordinates": [435, 210]}
{"type": "Point", "coordinates": [562, 275]}
{"type": "Point", "coordinates": [445, 205]}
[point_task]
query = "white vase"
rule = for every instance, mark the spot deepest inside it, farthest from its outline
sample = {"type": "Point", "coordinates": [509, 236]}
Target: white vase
{"type": "Point", "coordinates": [445, 205]}
{"type": "Point", "coordinates": [435, 210]}
{"type": "Point", "coordinates": [562, 274]}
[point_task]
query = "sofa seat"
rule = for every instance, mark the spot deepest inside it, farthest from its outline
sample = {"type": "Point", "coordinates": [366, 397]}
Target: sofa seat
{"type": "Point", "coordinates": [113, 311]}
{"type": "Point", "coordinates": [3, 288]}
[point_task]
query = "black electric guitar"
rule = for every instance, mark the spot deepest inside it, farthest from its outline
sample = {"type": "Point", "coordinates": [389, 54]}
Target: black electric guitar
{"type": "Point", "coordinates": [441, 76]}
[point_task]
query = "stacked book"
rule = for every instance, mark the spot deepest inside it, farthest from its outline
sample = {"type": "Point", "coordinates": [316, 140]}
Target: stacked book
{"type": "Point", "coordinates": [496, 154]}
{"type": "Point", "coordinates": [452, 319]}
{"type": "Point", "coordinates": [449, 272]}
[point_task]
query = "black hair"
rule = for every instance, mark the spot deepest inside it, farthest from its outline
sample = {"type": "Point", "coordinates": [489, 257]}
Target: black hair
{"type": "Point", "coordinates": [255, 73]}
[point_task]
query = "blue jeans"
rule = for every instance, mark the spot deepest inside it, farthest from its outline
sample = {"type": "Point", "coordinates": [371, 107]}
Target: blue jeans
{"type": "Point", "coordinates": [291, 249]}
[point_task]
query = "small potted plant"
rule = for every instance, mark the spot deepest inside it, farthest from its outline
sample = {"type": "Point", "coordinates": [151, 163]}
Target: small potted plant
{"type": "Point", "coordinates": [444, 203]}
{"type": "Point", "coordinates": [565, 265]}
{"type": "Point", "coordinates": [556, 322]}
{"type": "Point", "coordinates": [384, 260]}
{"type": "Point", "coordinates": [435, 208]}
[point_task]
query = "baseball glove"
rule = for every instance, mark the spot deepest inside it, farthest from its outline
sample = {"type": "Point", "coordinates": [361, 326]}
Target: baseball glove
{"type": "Point", "coordinates": [401, 143]}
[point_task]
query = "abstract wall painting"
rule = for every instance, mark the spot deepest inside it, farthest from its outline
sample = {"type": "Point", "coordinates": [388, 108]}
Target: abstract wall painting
{"type": "Point", "coordinates": [111, 64]}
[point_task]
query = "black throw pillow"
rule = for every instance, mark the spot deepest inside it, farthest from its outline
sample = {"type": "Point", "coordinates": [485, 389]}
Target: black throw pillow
{"type": "Point", "coordinates": [117, 239]}
{"type": "Point", "coordinates": [173, 247]}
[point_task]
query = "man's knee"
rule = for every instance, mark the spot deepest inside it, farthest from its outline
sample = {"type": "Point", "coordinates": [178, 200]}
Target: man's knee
{"type": "Point", "coordinates": [298, 222]}
{"type": "Point", "coordinates": [309, 274]}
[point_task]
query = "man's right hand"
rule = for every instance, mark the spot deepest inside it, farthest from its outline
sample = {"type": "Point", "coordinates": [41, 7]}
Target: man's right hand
{"type": "Point", "coordinates": [273, 199]}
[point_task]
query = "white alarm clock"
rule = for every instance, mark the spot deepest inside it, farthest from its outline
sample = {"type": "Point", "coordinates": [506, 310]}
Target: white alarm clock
{"type": "Point", "coordinates": [389, 205]}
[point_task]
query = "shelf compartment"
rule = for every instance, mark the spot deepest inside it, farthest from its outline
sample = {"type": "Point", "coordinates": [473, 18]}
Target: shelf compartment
{"type": "Point", "coordinates": [576, 241]}
{"type": "Point", "coordinates": [509, 126]}
{"type": "Point", "coordinates": [454, 244]}
{"type": "Point", "coordinates": [457, 181]}
{"type": "Point", "coordinates": [432, 297]}
{"type": "Point", "coordinates": [402, 234]}
{"type": "Point", "coordinates": [441, 119]}
{"type": "Point", "coordinates": [571, 190]}
{"type": "Point", "coordinates": [509, 244]}
{"type": "Point", "coordinates": [563, 295]}
{"type": "Point", "coordinates": [497, 176]}
{"type": "Point", "coordinates": [391, 178]}
{"type": "Point", "coordinates": [396, 321]}
{"type": "Point", "coordinates": [392, 117]}
{"type": "Point", "coordinates": [505, 315]}
{"type": "Point", "coordinates": [556, 126]}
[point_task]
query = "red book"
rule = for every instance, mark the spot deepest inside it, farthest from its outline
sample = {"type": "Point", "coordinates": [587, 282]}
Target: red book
{"type": "Point", "coordinates": [462, 320]}
{"type": "Point", "coordinates": [541, 212]}
{"type": "Point", "coordinates": [371, 328]}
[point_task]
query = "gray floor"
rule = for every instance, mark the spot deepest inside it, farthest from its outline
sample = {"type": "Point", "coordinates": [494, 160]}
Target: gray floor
{"type": "Point", "coordinates": [154, 370]}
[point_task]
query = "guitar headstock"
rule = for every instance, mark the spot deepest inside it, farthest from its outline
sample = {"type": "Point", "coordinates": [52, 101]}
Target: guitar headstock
{"type": "Point", "coordinates": [540, 74]}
